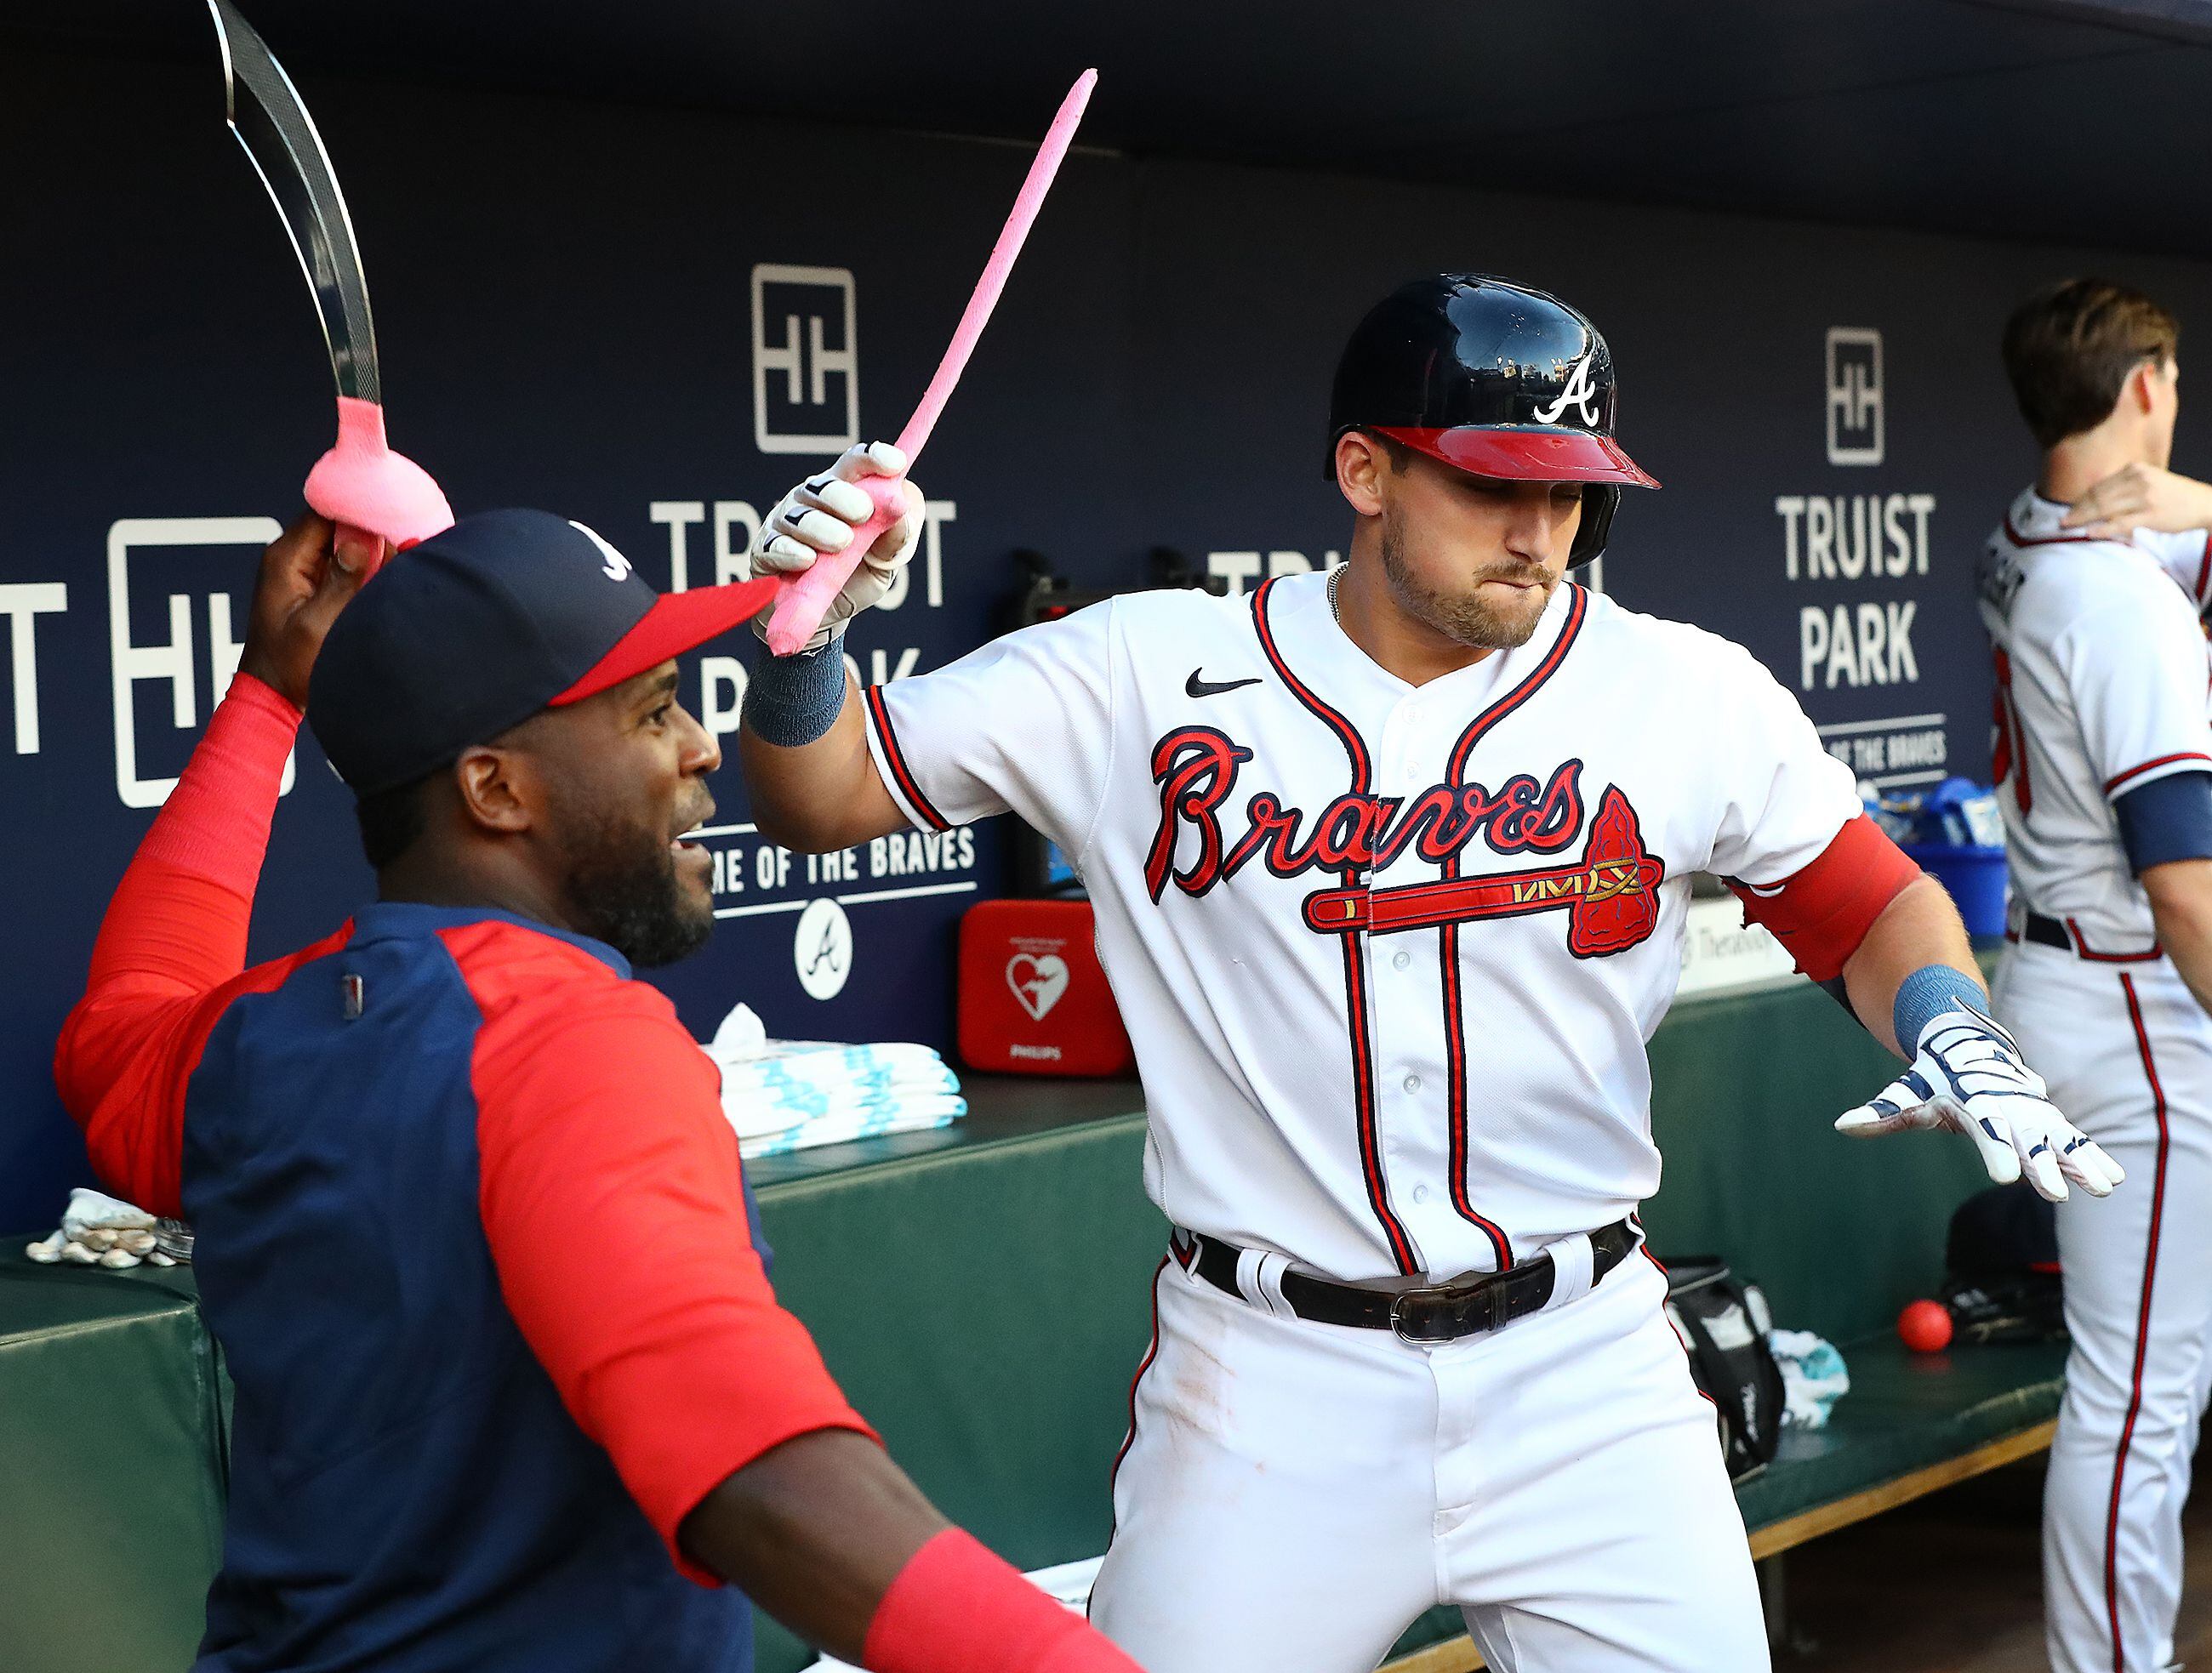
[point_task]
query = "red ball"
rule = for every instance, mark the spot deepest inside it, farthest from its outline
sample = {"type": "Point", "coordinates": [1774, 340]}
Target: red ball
{"type": "Point", "coordinates": [1924, 1326]}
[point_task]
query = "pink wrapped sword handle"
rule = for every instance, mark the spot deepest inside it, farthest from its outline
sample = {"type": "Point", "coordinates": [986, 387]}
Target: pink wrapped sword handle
{"type": "Point", "coordinates": [805, 597]}
{"type": "Point", "coordinates": [361, 483]}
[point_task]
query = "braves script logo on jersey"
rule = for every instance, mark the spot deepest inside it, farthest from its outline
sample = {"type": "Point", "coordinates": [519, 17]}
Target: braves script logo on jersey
{"type": "Point", "coordinates": [1609, 894]}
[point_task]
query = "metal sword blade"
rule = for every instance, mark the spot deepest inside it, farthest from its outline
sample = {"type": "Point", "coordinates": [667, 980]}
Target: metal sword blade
{"type": "Point", "coordinates": [266, 112]}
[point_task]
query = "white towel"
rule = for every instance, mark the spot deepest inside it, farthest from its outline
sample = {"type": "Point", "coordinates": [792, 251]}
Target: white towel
{"type": "Point", "coordinates": [783, 1095]}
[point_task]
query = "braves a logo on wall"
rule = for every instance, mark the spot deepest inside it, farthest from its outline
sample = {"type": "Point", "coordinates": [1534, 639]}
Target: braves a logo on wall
{"type": "Point", "coordinates": [1608, 891]}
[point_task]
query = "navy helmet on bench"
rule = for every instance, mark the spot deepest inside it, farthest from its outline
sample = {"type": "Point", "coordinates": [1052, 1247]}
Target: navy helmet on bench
{"type": "Point", "coordinates": [1494, 378]}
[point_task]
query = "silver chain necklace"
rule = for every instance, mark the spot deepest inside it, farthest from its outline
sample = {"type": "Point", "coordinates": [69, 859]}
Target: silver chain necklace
{"type": "Point", "coordinates": [1335, 584]}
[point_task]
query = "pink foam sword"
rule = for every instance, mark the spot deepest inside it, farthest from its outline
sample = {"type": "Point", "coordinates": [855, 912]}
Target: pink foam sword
{"type": "Point", "coordinates": [806, 599]}
{"type": "Point", "coordinates": [361, 483]}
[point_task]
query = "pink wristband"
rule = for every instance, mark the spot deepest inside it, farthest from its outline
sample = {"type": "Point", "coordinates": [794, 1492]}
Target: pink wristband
{"type": "Point", "coordinates": [956, 1609]}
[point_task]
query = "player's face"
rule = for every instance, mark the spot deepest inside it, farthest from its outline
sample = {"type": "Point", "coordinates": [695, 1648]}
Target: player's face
{"type": "Point", "coordinates": [1474, 558]}
{"type": "Point", "coordinates": [630, 784]}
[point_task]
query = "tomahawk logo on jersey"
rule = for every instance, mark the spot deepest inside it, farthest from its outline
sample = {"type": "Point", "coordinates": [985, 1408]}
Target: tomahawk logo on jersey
{"type": "Point", "coordinates": [2102, 689]}
{"type": "Point", "coordinates": [1389, 953]}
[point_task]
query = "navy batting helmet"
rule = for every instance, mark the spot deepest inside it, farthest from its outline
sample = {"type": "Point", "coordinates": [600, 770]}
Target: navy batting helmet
{"type": "Point", "coordinates": [1494, 378]}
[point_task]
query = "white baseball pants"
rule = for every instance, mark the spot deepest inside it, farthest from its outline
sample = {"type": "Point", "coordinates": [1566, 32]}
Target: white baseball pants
{"type": "Point", "coordinates": [2128, 1053]}
{"type": "Point", "coordinates": [1293, 1494]}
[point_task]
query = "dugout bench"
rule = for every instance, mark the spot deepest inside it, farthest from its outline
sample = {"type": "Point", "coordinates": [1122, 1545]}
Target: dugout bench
{"type": "Point", "coordinates": [982, 1294]}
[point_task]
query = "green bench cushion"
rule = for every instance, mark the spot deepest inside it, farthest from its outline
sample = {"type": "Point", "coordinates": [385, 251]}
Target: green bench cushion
{"type": "Point", "coordinates": [111, 1468]}
{"type": "Point", "coordinates": [1905, 1412]}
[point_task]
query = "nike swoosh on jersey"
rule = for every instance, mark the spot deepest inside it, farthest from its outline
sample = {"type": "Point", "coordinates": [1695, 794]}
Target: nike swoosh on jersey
{"type": "Point", "coordinates": [1196, 687]}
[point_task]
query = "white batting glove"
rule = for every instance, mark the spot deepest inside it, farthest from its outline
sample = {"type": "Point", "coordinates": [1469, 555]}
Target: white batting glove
{"type": "Point", "coordinates": [100, 1230]}
{"type": "Point", "coordinates": [1969, 1077]}
{"type": "Point", "coordinates": [818, 516]}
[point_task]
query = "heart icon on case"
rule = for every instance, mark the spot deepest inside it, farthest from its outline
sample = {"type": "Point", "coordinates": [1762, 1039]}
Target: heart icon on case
{"type": "Point", "coordinates": [1037, 982]}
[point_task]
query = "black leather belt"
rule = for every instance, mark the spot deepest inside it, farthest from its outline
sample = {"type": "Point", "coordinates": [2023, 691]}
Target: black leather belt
{"type": "Point", "coordinates": [1435, 1313]}
{"type": "Point", "coordinates": [2046, 932]}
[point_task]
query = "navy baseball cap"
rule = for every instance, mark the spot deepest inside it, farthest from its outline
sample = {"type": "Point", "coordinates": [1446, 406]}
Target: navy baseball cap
{"type": "Point", "coordinates": [475, 629]}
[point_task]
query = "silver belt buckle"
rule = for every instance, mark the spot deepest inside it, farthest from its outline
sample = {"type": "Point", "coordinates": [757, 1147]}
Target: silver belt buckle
{"type": "Point", "coordinates": [1474, 1301]}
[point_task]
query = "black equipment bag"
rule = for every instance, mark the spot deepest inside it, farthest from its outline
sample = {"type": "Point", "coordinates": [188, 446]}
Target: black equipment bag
{"type": "Point", "coordinates": [2000, 1276]}
{"type": "Point", "coordinates": [1723, 1326]}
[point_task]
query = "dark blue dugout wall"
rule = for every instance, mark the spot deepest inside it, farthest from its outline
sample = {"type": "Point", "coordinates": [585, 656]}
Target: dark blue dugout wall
{"type": "Point", "coordinates": [564, 295]}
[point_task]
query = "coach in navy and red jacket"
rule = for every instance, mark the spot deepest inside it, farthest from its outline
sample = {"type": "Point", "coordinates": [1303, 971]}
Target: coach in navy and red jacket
{"type": "Point", "coordinates": [472, 1230]}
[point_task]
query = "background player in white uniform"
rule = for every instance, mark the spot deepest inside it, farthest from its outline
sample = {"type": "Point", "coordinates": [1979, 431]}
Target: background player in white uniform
{"type": "Point", "coordinates": [2090, 591]}
{"type": "Point", "coordinates": [1390, 869]}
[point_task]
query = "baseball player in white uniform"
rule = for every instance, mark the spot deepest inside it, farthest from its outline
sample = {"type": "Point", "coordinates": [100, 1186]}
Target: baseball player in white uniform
{"type": "Point", "coordinates": [2090, 590]}
{"type": "Point", "coordinates": [1390, 867]}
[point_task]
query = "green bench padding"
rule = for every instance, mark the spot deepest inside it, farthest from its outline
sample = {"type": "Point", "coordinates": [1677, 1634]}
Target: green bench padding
{"type": "Point", "coordinates": [1906, 1411]}
{"type": "Point", "coordinates": [111, 1470]}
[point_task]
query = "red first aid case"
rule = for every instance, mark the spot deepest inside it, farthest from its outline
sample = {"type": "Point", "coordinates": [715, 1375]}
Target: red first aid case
{"type": "Point", "coordinates": [1033, 998]}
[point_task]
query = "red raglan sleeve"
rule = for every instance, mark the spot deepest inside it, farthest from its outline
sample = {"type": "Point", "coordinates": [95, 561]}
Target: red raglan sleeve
{"type": "Point", "coordinates": [171, 954]}
{"type": "Point", "coordinates": [613, 1204]}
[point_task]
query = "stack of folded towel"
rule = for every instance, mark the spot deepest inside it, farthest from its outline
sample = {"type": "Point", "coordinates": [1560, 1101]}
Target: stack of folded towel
{"type": "Point", "coordinates": [784, 1095]}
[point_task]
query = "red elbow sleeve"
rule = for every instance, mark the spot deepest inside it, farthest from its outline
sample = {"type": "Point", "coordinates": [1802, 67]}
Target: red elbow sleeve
{"type": "Point", "coordinates": [956, 1609]}
{"type": "Point", "coordinates": [1823, 912]}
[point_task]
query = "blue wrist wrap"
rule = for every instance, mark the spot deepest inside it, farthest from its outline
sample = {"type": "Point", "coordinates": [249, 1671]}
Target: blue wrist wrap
{"type": "Point", "coordinates": [793, 700]}
{"type": "Point", "coordinates": [1925, 994]}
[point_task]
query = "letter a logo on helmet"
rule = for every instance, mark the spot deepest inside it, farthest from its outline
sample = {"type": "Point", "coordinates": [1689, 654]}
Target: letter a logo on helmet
{"type": "Point", "coordinates": [1579, 390]}
{"type": "Point", "coordinates": [1482, 374]}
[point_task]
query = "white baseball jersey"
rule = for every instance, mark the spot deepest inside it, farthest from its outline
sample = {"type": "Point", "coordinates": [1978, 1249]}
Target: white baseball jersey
{"type": "Point", "coordinates": [1388, 953]}
{"type": "Point", "coordinates": [2102, 683]}
{"type": "Point", "coordinates": [2102, 678]}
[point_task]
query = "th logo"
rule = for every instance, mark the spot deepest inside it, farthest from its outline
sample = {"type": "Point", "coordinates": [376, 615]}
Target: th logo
{"type": "Point", "coordinates": [1855, 398]}
{"type": "Point", "coordinates": [806, 367]}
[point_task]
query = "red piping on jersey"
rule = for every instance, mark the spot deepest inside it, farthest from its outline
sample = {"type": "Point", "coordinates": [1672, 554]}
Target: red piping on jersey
{"type": "Point", "coordinates": [1152, 1353]}
{"type": "Point", "coordinates": [2143, 1327]}
{"type": "Point", "coordinates": [2010, 749]}
{"type": "Point", "coordinates": [1645, 1250]}
{"type": "Point", "coordinates": [2081, 949]}
{"type": "Point", "coordinates": [1355, 747]}
{"type": "Point", "coordinates": [2017, 538]}
{"type": "Point", "coordinates": [2204, 570]}
{"type": "Point", "coordinates": [1355, 976]}
{"type": "Point", "coordinates": [2117, 779]}
{"type": "Point", "coordinates": [909, 786]}
{"type": "Point", "coordinates": [1447, 935]}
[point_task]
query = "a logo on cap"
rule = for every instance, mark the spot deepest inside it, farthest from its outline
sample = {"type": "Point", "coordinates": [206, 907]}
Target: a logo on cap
{"type": "Point", "coordinates": [1579, 390]}
{"type": "Point", "coordinates": [616, 566]}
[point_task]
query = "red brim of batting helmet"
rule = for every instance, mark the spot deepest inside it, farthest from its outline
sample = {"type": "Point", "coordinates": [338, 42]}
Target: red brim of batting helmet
{"type": "Point", "coordinates": [1526, 453]}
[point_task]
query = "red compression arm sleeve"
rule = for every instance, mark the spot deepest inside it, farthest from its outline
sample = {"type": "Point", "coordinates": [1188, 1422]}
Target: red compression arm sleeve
{"type": "Point", "coordinates": [614, 1206]}
{"type": "Point", "coordinates": [1823, 912]}
{"type": "Point", "coordinates": [956, 1609]}
{"type": "Point", "coordinates": [174, 935]}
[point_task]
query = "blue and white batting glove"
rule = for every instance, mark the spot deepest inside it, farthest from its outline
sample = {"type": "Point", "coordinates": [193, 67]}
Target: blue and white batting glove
{"type": "Point", "coordinates": [1968, 1076]}
{"type": "Point", "coordinates": [820, 515]}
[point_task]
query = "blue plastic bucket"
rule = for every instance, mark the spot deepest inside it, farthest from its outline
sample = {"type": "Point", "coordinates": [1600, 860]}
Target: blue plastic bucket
{"type": "Point", "coordinates": [1975, 878]}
